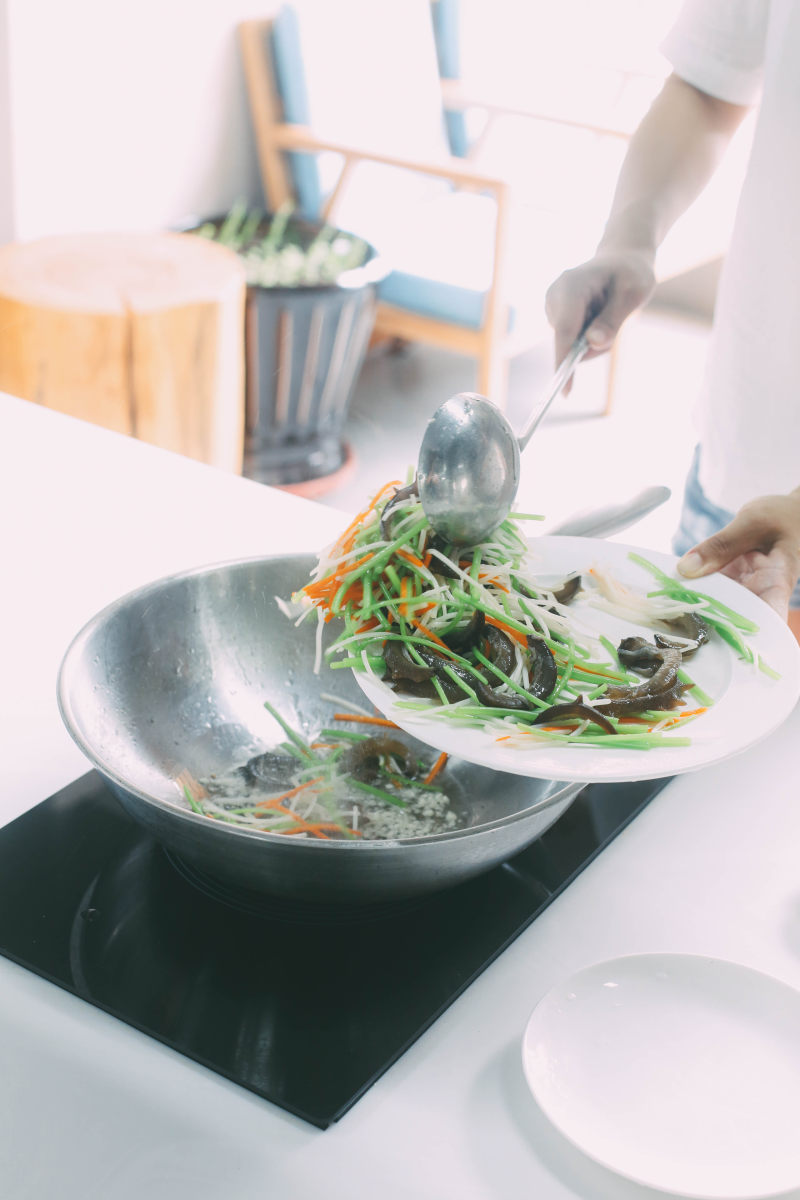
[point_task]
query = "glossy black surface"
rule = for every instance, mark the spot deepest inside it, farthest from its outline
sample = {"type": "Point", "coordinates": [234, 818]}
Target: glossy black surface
{"type": "Point", "coordinates": [302, 1008]}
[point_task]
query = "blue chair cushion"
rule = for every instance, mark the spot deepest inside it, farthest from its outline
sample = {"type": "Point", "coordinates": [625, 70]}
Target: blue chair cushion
{"type": "Point", "coordinates": [433, 298]}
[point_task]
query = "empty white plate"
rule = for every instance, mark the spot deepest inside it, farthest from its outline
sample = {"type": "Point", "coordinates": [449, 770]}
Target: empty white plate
{"type": "Point", "coordinates": [678, 1071]}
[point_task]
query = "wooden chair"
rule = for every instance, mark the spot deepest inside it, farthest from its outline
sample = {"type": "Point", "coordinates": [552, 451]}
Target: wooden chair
{"type": "Point", "coordinates": [467, 275]}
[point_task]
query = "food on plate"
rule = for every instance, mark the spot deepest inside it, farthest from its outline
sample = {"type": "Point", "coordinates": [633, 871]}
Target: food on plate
{"type": "Point", "coordinates": [470, 634]}
{"type": "Point", "coordinates": [343, 784]}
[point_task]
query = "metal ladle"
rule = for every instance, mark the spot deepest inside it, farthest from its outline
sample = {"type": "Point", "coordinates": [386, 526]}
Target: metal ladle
{"type": "Point", "coordinates": [468, 467]}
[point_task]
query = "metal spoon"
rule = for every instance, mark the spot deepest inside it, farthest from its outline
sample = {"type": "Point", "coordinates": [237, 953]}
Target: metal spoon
{"type": "Point", "coordinates": [612, 518]}
{"type": "Point", "coordinates": [468, 467]}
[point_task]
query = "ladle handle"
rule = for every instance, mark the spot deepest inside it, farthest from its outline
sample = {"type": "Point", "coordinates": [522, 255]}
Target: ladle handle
{"type": "Point", "coordinates": [560, 380]}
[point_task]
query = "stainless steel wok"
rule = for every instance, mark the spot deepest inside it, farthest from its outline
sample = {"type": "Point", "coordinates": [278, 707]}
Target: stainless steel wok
{"type": "Point", "coordinates": [174, 676]}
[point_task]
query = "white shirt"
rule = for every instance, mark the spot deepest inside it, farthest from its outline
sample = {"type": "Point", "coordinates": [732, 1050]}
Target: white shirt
{"type": "Point", "coordinates": [748, 52]}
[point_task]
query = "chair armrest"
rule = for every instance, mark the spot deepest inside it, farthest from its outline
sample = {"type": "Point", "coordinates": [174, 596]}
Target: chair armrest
{"type": "Point", "coordinates": [298, 138]}
{"type": "Point", "coordinates": [458, 96]}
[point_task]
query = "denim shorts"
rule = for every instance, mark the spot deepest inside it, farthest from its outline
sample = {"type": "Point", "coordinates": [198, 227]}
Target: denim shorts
{"type": "Point", "coordinates": [700, 518]}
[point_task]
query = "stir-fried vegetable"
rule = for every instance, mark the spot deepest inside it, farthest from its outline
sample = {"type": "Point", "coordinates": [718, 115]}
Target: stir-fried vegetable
{"type": "Point", "coordinates": [471, 635]}
{"type": "Point", "coordinates": [341, 785]}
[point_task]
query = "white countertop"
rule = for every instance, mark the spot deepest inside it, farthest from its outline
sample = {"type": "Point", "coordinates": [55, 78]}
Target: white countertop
{"type": "Point", "coordinates": [90, 1109]}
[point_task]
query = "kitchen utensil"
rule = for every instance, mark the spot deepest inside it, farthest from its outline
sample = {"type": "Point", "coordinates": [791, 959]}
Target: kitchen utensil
{"type": "Point", "coordinates": [676, 1070]}
{"type": "Point", "coordinates": [747, 703]}
{"type": "Point", "coordinates": [611, 518]}
{"type": "Point", "coordinates": [174, 677]}
{"type": "Point", "coordinates": [468, 467]}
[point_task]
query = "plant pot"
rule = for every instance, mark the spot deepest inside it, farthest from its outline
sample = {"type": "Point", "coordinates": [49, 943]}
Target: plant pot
{"type": "Point", "coordinates": [304, 347]}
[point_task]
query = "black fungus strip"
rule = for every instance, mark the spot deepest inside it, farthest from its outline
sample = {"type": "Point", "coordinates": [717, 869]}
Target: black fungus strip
{"type": "Point", "coordinates": [400, 664]}
{"type": "Point", "coordinates": [568, 590]}
{"type": "Point", "coordinates": [688, 626]}
{"type": "Point", "coordinates": [582, 712]}
{"type": "Point", "coordinates": [544, 672]}
{"type": "Point", "coordinates": [640, 655]}
{"type": "Point", "coordinates": [363, 759]}
{"type": "Point", "coordinates": [399, 496]}
{"type": "Point", "coordinates": [662, 679]}
{"type": "Point", "coordinates": [464, 637]}
{"type": "Point", "coordinates": [270, 770]}
{"type": "Point", "coordinates": [624, 706]}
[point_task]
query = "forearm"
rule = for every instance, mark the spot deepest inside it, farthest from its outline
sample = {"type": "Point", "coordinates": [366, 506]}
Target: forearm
{"type": "Point", "coordinates": [670, 159]}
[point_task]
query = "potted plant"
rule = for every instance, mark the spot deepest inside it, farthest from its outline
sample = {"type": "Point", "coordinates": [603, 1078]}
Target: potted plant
{"type": "Point", "coordinates": [310, 310]}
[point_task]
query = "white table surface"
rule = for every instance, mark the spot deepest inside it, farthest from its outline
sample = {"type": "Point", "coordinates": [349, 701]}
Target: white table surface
{"type": "Point", "coordinates": [91, 1109]}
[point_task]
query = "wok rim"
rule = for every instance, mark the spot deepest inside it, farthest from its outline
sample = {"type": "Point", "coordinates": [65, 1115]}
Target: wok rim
{"type": "Point", "coordinates": [73, 656]}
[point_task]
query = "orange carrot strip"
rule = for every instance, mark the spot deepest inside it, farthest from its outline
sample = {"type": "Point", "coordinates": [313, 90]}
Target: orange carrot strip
{"type": "Point", "coordinates": [676, 720]}
{"type": "Point", "coordinates": [599, 674]}
{"type": "Point", "coordinates": [423, 608]}
{"type": "Point", "coordinates": [301, 826]}
{"type": "Point", "coordinates": [428, 633]}
{"type": "Point", "coordinates": [487, 577]}
{"type": "Point", "coordinates": [404, 587]}
{"type": "Point", "coordinates": [318, 585]}
{"type": "Point", "coordinates": [436, 768]}
{"type": "Point", "coordinates": [364, 720]}
{"type": "Point", "coordinates": [321, 587]}
{"type": "Point", "coordinates": [348, 567]}
{"type": "Point", "coordinates": [286, 812]}
{"type": "Point", "coordinates": [332, 583]}
{"type": "Point", "coordinates": [274, 800]}
{"type": "Point", "coordinates": [409, 557]}
{"type": "Point", "coordinates": [354, 594]}
{"type": "Point", "coordinates": [352, 528]}
{"type": "Point", "coordinates": [507, 630]}
{"type": "Point", "coordinates": [317, 833]}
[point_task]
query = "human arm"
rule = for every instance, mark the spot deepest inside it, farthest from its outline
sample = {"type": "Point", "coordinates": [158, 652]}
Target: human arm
{"type": "Point", "coordinates": [759, 548]}
{"type": "Point", "coordinates": [670, 158]}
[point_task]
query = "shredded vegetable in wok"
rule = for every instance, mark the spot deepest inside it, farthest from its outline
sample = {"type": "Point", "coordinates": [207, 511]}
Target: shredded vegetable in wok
{"type": "Point", "coordinates": [470, 635]}
{"type": "Point", "coordinates": [343, 784]}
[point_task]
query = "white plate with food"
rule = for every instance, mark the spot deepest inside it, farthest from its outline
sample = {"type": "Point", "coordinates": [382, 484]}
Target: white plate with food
{"type": "Point", "coordinates": [733, 704]}
{"type": "Point", "coordinates": [681, 1072]}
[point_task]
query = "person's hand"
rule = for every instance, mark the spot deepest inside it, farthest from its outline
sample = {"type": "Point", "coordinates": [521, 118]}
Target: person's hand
{"type": "Point", "coordinates": [759, 548]}
{"type": "Point", "coordinates": [607, 288]}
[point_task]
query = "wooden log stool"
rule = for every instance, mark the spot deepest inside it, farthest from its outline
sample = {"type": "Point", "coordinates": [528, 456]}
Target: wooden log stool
{"type": "Point", "coordinates": [141, 333]}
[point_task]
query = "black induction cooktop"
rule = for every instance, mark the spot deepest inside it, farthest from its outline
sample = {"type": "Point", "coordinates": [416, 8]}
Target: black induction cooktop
{"type": "Point", "coordinates": [304, 1007]}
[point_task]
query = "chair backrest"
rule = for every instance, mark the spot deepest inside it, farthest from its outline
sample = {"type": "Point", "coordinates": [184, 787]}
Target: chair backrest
{"type": "Point", "coordinates": [362, 72]}
{"type": "Point", "coordinates": [446, 16]}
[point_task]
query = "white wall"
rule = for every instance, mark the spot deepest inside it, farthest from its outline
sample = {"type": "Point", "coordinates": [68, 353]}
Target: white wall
{"type": "Point", "coordinates": [122, 115]}
{"type": "Point", "coordinates": [6, 198]}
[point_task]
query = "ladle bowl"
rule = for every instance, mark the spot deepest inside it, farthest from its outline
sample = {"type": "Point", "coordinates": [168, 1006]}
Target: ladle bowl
{"type": "Point", "coordinates": [469, 461]}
